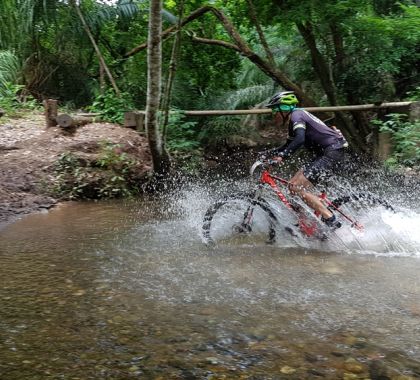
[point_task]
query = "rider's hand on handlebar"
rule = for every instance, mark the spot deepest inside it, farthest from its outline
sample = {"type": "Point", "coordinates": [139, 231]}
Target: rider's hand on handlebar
{"type": "Point", "coordinates": [277, 160]}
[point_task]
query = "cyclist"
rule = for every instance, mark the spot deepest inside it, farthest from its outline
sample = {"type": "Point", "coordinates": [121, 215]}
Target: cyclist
{"type": "Point", "coordinates": [307, 130]}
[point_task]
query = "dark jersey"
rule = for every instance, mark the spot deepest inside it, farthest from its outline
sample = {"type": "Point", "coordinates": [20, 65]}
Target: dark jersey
{"type": "Point", "coordinates": [317, 134]}
{"type": "Point", "coordinates": [307, 130]}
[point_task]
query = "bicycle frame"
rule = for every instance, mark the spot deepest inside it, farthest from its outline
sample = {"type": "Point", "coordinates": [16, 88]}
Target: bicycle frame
{"type": "Point", "coordinates": [308, 227]}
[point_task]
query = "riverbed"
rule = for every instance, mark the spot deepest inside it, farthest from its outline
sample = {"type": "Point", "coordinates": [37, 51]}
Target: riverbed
{"type": "Point", "coordinates": [126, 289]}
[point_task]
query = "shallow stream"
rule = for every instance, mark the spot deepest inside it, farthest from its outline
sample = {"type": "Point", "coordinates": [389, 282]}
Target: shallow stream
{"type": "Point", "coordinates": [126, 289]}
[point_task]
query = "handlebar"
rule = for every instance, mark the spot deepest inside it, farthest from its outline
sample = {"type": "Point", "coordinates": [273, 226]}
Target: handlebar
{"type": "Point", "coordinates": [263, 163]}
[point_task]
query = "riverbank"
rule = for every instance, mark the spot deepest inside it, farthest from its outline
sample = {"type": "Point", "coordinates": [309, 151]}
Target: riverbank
{"type": "Point", "coordinates": [29, 153]}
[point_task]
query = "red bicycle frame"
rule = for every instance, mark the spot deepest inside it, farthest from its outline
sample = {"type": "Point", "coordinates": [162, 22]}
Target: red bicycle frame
{"type": "Point", "coordinates": [306, 225]}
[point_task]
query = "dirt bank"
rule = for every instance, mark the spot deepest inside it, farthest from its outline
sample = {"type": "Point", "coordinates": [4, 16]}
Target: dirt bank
{"type": "Point", "coordinates": [29, 153]}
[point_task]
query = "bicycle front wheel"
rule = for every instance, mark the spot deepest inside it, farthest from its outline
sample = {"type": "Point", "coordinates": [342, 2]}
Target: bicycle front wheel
{"type": "Point", "coordinates": [239, 216]}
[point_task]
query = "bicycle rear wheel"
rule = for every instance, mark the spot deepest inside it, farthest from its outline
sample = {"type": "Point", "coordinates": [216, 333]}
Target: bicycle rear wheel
{"type": "Point", "coordinates": [362, 201]}
{"type": "Point", "coordinates": [359, 205]}
{"type": "Point", "coordinates": [239, 216]}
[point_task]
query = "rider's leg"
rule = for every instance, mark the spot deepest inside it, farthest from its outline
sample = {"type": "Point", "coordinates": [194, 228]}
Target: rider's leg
{"type": "Point", "coordinates": [300, 185]}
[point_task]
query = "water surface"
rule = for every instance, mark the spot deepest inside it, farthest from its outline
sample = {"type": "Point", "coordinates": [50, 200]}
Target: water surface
{"type": "Point", "coordinates": [124, 290]}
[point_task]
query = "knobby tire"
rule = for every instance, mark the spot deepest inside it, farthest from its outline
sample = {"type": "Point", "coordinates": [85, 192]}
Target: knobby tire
{"type": "Point", "coordinates": [208, 221]}
{"type": "Point", "coordinates": [362, 200]}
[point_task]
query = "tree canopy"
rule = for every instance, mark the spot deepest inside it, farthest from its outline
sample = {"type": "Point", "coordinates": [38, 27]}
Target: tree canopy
{"type": "Point", "coordinates": [235, 54]}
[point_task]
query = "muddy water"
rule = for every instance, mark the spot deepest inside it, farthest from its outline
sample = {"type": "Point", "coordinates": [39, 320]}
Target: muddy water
{"type": "Point", "coordinates": [124, 290]}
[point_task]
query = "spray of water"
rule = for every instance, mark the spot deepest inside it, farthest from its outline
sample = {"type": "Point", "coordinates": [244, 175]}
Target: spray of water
{"type": "Point", "coordinates": [389, 233]}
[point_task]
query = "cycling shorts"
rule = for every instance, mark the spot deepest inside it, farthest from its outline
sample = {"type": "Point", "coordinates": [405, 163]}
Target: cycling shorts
{"type": "Point", "coordinates": [324, 166]}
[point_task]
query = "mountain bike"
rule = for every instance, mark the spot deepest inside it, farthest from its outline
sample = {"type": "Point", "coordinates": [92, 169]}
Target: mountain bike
{"type": "Point", "coordinates": [261, 211]}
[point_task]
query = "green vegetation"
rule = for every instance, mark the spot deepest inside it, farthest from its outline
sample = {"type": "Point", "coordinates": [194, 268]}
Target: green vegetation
{"type": "Point", "coordinates": [182, 141]}
{"type": "Point", "coordinates": [182, 135]}
{"type": "Point", "coordinates": [336, 52]}
{"type": "Point", "coordinates": [111, 175]}
{"type": "Point", "coordinates": [406, 139]}
{"type": "Point", "coordinates": [12, 95]}
{"type": "Point", "coordinates": [12, 101]}
{"type": "Point", "coordinates": [111, 107]}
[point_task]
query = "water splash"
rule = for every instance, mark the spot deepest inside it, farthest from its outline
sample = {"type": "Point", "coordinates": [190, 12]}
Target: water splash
{"type": "Point", "coordinates": [385, 232]}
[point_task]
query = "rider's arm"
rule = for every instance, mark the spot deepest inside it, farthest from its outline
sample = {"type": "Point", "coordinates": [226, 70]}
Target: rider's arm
{"type": "Point", "coordinates": [295, 144]}
{"type": "Point", "coordinates": [275, 151]}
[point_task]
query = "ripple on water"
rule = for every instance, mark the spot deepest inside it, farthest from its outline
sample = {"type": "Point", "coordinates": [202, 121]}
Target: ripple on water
{"type": "Point", "coordinates": [123, 290]}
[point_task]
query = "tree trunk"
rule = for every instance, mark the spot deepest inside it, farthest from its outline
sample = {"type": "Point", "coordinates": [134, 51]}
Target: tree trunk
{"type": "Point", "coordinates": [324, 74]}
{"type": "Point", "coordinates": [169, 32]}
{"type": "Point", "coordinates": [50, 107]}
{"type": "Point", "coordinates": [171, 74]}
{"type": "Point", "coordinates": [318, 62]}
{"type": "Point", "coordinates": [160, 157]}
{"type": "Point", "coordinates": [271, 71]}
{"type": "Point", "coordinates": [255, 20]}
{"type": "Point", "coordinates": [95, 46]}
{"type": "Point", "coordinates": [340, 55]}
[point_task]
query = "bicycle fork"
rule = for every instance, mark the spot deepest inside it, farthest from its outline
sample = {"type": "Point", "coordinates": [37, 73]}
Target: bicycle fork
{"type": "Point", "coordinates": [246, 225]}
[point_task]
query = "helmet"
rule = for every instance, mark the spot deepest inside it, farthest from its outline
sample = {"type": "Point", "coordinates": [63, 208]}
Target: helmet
{"type": "Point", "coordinates": [283, 101]}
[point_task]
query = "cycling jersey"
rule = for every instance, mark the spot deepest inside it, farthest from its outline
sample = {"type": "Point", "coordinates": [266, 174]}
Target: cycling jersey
{"type": "Point", "coordinates": [307, 130]}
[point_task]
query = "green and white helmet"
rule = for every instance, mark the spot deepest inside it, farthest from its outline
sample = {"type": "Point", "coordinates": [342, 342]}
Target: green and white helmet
{"type": "Point", "coordinates": [283, 101]}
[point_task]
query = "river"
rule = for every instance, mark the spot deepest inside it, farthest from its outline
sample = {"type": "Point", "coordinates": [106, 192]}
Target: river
{"type": "Point", "coordinates": [126, 289]}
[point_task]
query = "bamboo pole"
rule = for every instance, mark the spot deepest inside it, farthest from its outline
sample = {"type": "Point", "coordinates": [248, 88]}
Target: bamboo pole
{"type": "Point", "coordinates": [360, 107]}
{"type": "Point", "coordinates": [171, 74]}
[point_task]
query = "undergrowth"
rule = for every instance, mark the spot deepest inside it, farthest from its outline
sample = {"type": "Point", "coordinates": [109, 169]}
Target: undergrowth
{"type": "Point", "coordinates": [405, 136]}
{"type": "Point", "coordinates": [111, 175]}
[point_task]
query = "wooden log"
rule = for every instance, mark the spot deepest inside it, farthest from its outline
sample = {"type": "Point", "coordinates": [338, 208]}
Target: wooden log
{"type": "Point", "coordinates": [134, 120]}
{"type": "Point", "coordinates": [50, 107]}
{"type": "Point", "coordinates": [67, 121]}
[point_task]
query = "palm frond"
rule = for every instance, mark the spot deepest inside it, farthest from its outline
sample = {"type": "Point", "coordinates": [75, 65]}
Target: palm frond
{"type": "Point", "coordinates": [127, 9]}
{"type": "Point", "coordinates": [105, 12]}
{"type": "Point", "coordinates": [9, 67]}
{"type": "Point", "coordinates": [246, 97]}
{"type": "Point", "coordinates": [168, 16]}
